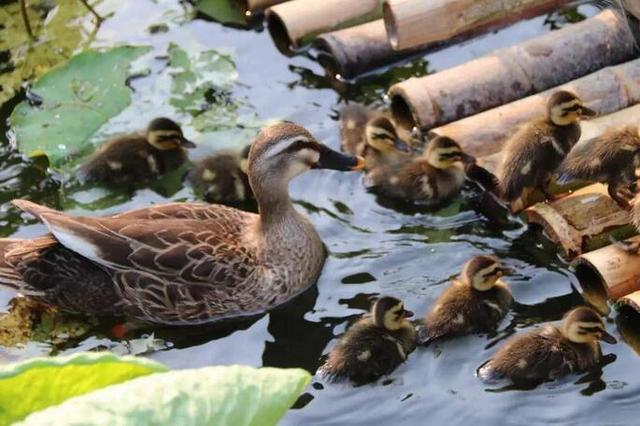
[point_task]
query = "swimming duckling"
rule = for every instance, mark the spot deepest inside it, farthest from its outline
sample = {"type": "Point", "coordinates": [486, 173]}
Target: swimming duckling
{"type": "Point", "coordinates": [550, 352]}
{"type": "Point", "coordinates": [374, 346]}
{"type": "Point", "coordinates": [222, 177]}
{"type": "Point", "coordinates": [611, 158]}
{"type": "Point", "coordinates": [136, 157]}
{"type": "Point", "coordinates": [534, 153]}
{"type": "Point", "coordinates": [474, 303]}
{"type": "Point", "coordinates": [434, 177]}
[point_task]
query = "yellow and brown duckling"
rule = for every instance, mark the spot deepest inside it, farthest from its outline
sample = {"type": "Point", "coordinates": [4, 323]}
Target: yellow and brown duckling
{"type": "Point", "coordinates": [138, 157]}
{"type": "Point", "coordinates": [222, 177]}
{"type": "Point", "coordinates": [535, 152]}
{"type": "Point", "coordinates": [475, 302]}
{"type": "Point", "coordinates": [550, 352]}
{"type": "Point", "coordinates": [433, 177]}
{"type": "Point", "coordinates": [374, 346]}
{"type": "Point", "coordinates": [611, 158]}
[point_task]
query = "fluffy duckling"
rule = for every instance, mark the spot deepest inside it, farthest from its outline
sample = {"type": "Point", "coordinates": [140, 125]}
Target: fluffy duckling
{"type": "Point", "coordinates": [550, 352]}
{"type": "Point", "coordinates": [222, 178]}
{"type": "Point", "coordinates": [474, 303]}
{"type": "Point", "coordinates": [434, 177]}
{"type": "Point", "coordinates": [611, 158]}
{"type": "Point", "coordinates": [374, 346]}
{"type": "Point", "coordinates": [534, 153]}
{"type": "Point", "coordinates": [136, 157]}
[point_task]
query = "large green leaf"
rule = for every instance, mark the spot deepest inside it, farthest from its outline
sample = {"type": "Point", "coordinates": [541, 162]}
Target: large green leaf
{"type": "Point", "coordinates": [78, 98]}
{"type": "Point", "coordinates": [224, 11]}
{"type": "Point", "coordinates": [39, 383]}
{"type": "Point", "coordinates": [221, 396]}
{"type": "Point", "coordinates": [64, 30]}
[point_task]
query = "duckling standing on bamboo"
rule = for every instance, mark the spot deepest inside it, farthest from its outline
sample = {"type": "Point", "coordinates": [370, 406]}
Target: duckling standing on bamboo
{"type": "Point", "coordinates": [611, 158]}
{"type": "Point", "coordinates": [551, 352]}
{"type": "Point", "coordinates": [138, 157]}
{"type": "Point", "coordinates": [222, 177]}
{"type": "Point", "coordinates": [374, 346]}
{"type": "Point", "coordinates": [534, 153]}
{"type": "Point", "coordinates": [474, 303]}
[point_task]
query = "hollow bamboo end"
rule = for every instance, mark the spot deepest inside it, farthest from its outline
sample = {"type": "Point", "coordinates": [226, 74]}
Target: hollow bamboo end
{"type": "Point", "coordinates": [331, 59]}
{"type": "Point", "coordinates": [632, 300]}
{"type": "Point", "coordinates": [593, 284]}
{"type": "Point", "coordinates": [279, 33]}
{"type": "Point", "coordinates": [390, 25]}
{"type": "Point", "coordinates": [402, 112]}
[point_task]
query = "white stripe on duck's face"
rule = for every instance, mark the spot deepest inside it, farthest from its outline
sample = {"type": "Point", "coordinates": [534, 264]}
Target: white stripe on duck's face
{"type": "Point", "coordinates": [486, 278]}
{"type": "Point", "coordinates": [566, 113]}
{"type": "Point", "coordinates": [584, 332]}
{"type": "Point", "coordinates": [293, 157]}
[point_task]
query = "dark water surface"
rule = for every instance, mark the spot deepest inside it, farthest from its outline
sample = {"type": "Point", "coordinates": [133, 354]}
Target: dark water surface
{"type": "Point", "coordinates": [375, 249]}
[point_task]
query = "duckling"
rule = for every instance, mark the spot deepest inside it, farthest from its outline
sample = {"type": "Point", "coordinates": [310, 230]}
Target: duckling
{"type": "Point", "coordinates": [611, 158]}
{"type": "Point", "coordinates": [534, 153]}
{"type": "Point", "coordinates": [550, 352]}
{"type": "Point", "coordinates": [474, 303]}
{"type": "Point", "coordinates": [374, 346]}
{"type": "Point", "coordinates": [222, 177]}
{"type": "Point", "coordinates": [136, 157]}
{"type": "Point", "coordinates": [434, 177]}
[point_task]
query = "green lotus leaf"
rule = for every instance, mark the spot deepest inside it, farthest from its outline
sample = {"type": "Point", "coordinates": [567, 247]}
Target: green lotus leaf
{"type": "Point", "coordinates": [39, 383]}
{"type": "Point", "coordinates": [224, 11]}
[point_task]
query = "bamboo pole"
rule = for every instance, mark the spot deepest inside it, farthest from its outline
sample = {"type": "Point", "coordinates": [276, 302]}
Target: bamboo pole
{"type": "Point", "coordinates": [294, 23]}
{"type": "Point", "coordinates": [616, 270]}
{"type": "Point", "coordinates": [607, 90]}
{"type": "Point", "coordinates": [512, 73]}
{"type": "Point", "coordinates": [582, 221]}
{"type": "Point", "coordinates": [412, 23]}
{"type": "Point", "coordinates": [255, 7]}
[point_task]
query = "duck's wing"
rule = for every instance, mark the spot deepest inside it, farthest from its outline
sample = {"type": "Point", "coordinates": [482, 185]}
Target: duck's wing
{"type": "Point", "coordinates": [176, 270]}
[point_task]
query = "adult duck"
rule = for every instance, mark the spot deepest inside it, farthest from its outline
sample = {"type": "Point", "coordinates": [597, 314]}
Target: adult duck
{"type": "Point", "coordinates": [183, 263]}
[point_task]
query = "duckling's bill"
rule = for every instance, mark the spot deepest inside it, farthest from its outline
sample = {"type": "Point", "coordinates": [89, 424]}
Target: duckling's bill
{"type": "Point", "coordinates": [606, 337]}
{"type": "Point", "coordinates": [186, 143]}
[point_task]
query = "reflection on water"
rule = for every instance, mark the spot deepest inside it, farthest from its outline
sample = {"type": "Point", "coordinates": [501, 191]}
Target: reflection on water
{"type": "Point", "coordinates": [376, 247]}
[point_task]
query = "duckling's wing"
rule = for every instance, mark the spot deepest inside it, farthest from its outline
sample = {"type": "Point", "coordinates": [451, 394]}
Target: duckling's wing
{"type": "Point", "coordinates": [172, 270]}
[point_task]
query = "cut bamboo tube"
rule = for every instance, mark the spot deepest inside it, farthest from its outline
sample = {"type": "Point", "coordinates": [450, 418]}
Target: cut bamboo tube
{"type": "Point", "coordinates": [353, 51]}
{"type": "Point", "coordinates": [296, 22]}
{"type": "Point", "coordinates": [582, 221]}
{"type": "Point", "coordinates": [633, 7]}
{"type": "Point", "coordinates": [616, 270]}
{"type": "Point", "coordinates": [512, 73]}
{"type": "Point", "coordinates": [412, 23]}
{"type": "Point", "coordinates": [255, 7]}
{"type": "Point", "coordinates": [607, 90]}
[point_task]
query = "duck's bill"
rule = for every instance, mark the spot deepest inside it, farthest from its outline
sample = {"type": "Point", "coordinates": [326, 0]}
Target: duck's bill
{"type": "Point", "coordinates": [334, 160]}
{"type": "Point", "coordinates": [587, 112]}
{"type": "Point", "coordinates": [401, 145]}
{"type": "Point", "coordinates": [606, 337]}
{"type": "Point", "coordinates": [187, 143]}
{"type": "Point", "coordinates": [507, 271]}
{"type": "Point", "coordinates": [407, 314]}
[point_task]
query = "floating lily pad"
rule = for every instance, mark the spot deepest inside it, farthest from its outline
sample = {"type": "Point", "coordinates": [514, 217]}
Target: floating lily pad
{"type": "Point", "coordinates": [39, 383]}
{"type": "Point", "coordinates": [224, 11]}
{"type": "Point", "coordinates": [221, 396]}
{"type": "Point", "coordinates": [58, 36]}
{"type": "Point", "coordinates": [78, 98]}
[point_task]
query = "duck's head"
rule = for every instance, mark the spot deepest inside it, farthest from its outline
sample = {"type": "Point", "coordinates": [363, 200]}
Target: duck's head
{"type": "Point", "coordinates": [285, 150]}
{"type": "Point", "coordinates": [389, 313]}
{"type": "Point", "coordinates": [165, 134]}
{"type": "Point", "coordinates": [584, 325]}
{"type": "Point", "coordinates": [381, 135]}
{"type": "Point", "coordinates": [564, 108]}
{"type": "Point", "coordinates": [482, 272]}
{"type": "Point", "coordinates": [443, 152]}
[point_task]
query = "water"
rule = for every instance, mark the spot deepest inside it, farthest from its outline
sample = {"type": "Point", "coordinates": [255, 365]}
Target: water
{"type": "Point", "coordinates": [376, 248]}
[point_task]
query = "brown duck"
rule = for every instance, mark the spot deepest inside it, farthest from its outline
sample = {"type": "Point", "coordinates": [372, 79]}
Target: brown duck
{"type": "Point", "coordinates": [550, 352]}
{"type": "Point", "coordinates": [535, 152]}
{"type": "Point", "coordinates": [183, 263]}
{"type": "Point", "coordinates": [374, 346]}
{"type": "Point", "coordinates": [474, 303]}
{"type": "Point", "coordinates": [138, 157]}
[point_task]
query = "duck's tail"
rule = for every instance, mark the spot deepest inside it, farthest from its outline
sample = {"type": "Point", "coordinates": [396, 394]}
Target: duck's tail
{"type": "Point", "coordinates": [8, 275]}
{"type": "Point", "coordinates": [15, 251]}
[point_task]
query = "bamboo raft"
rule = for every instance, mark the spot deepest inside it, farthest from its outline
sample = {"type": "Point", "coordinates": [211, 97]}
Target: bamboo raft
{"type": "Point", "coordinates": [482, 103]}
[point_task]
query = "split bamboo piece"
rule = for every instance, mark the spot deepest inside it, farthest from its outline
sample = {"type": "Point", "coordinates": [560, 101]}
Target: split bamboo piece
{"type": "Point", "coordinates": [616, 270]}
{"type": "Point", "coordinates": [255, 7]}
{"type": "Point", "coordinates": [610, 89]}
{"type": "Point", "coordinates": [294, 23]}
{"type": "Point", "coordinates": [512, 73]}
{"type": "Point", "coordinates": [412, 23]}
